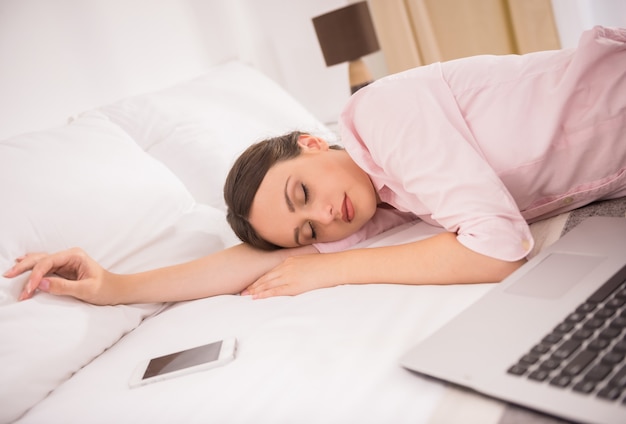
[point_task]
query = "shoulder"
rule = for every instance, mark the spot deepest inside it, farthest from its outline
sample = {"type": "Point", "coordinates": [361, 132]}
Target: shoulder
{"type": "Point", "coordinates": [401, 109]}
{"type": "Point", "coordinates": [420, 79]}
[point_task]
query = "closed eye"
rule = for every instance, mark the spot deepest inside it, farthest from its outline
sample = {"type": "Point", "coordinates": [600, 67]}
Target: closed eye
{"type": "Point", "coordinates": [313, 233]}
{"type": "Point", "coordinates": [305, 190]}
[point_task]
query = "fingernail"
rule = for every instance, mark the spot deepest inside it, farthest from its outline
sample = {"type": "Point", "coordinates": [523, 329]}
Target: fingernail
{"type": "Point", "coordinates": [44, 285]}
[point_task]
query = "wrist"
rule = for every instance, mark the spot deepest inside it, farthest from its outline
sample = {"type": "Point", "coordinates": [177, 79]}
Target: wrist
{"type": "Point", "coordinates": [116, 290]}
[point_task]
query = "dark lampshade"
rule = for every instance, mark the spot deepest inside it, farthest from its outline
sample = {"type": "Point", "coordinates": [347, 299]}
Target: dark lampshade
{"type": "Point", "coordinates": [346, 34]}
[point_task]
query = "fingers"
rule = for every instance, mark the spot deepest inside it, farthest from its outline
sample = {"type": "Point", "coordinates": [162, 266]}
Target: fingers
{"type": "Point", "coordinates": [268, 285]}
{"type": "Point", "coordinates": [28, 292]}
{"type": "Point", "coordinates": [53, 285]}
{"type": "Point", "coordinates": [59, 286]}
{"type": "Point", "coordinates": [41, 265]}
{"type": "Point", "coordinates": [272, 292]}
{"type": "Point", "coordinates": [39, 269]}
{"type": "Point", "coordinates": [262, 293]}
{"type": "Point", "coordinates": [23, 263]}
{"type": "Point", "coordinates": [34, 281]}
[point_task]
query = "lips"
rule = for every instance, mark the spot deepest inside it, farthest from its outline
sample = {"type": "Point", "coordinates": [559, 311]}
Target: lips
{"type": "Point", "coordinates": [347, 210]}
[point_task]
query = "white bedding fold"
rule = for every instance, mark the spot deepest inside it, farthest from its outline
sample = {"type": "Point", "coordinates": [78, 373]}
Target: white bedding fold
{"type": "Point", "coordinates": [327, 356]}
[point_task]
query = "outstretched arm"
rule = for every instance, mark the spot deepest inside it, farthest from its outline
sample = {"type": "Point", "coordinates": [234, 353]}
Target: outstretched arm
{"type": "Point", "coordinates": [74, 273]}
{"type": "Point", "coordinates": [440, 259]}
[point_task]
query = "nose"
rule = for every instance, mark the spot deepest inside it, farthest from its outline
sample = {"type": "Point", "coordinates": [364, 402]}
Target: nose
{"type": "Point", "coordinates": [323, 214]}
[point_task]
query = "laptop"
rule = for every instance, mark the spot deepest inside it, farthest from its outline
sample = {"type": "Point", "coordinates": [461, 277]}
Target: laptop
{"type": "Point", "coordinates": [551, 336]}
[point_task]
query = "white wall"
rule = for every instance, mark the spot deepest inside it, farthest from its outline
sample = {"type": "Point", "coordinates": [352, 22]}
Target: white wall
{"type": "Point", "coordinates": [278, 35]}
{"type": "Point", "coordinates": [61, 57]}
{"type": "Point", "coordinates": [574, 16]}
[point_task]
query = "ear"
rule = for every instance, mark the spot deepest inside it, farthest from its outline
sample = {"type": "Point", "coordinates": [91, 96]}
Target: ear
{"type": "Point", "coordinates": [309, 142]}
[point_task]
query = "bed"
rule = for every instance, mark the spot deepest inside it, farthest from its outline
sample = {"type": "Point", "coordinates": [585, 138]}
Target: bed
{"type": "Point", "coordinates": [136, 182]}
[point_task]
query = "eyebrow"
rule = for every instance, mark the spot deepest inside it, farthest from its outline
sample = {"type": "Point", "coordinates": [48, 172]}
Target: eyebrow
{"type": "Point", "coordinates": [287, 199]}
{"type": "Point", "coordinates": [296, 231]}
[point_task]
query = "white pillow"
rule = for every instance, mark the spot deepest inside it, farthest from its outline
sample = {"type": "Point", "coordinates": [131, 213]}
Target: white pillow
{"type": "Point", "coordinates": [89, 185]}
{"type": "Point", "coordinates": [198, 128]}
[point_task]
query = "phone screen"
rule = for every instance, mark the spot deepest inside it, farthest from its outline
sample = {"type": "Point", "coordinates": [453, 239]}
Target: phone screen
{"type": "Point", "coordinates": [184, 359]}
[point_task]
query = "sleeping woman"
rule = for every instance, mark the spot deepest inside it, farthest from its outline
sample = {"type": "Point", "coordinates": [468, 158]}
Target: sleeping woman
{"type": "Point", "coordinates": [480, 146]}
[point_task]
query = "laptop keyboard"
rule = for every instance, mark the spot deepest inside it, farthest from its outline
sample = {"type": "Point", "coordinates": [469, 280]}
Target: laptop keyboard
{"type": "Point", "coordinates": [586, 351]}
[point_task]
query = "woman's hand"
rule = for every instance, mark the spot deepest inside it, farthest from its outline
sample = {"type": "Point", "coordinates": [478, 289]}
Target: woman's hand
{"type": "Point", "coordinates": [71, 273]}
{"type": "Point", "coordinates": [297, 274]}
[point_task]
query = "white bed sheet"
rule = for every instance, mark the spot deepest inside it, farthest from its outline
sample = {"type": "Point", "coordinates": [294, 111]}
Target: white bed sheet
{"type": "Point", "coordinates": [327, 356]}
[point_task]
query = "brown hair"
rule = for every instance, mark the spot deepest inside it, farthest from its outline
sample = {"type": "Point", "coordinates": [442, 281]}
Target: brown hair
{"type": "Point", "coordinates": [244, 180]}
{"type": "Point", "coordinates": [245, 177]}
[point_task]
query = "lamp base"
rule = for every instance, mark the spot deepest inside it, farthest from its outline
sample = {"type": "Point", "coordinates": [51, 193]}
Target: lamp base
{"type": "Point", "coordinates": [359, 75]}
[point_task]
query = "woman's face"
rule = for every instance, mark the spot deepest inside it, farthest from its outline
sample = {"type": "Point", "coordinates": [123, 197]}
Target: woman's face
{"type": "Point", "coordinates": [319, 196]}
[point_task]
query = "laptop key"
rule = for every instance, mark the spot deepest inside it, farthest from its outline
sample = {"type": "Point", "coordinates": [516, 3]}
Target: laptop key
{"type": "Point", "coordinates": [517, 369]}
{"type": "Point", "coordinates": [564, 327]}
{"type": "Point", "coordinates": [566, 349]}
{"type": "Point", "coordinates": [586, 307]}
{"type": "Point", "coordinates": [621, 294]}
{"type": "Point", "coordinates": [620, 346]}
{"type": "Point", "coordinates": [552, 338]}
{"type": "Point", "coordinates": [616, 302]}
{"type": "Point", "coordinates": [604, 313]}
{"type": "Point", "coordinates": [607, 288]}
{"type": "Point", "coordinates": [612, 358]}
{"type": "Point", "coordinates": [619, 379]}
{"type": "Point", "coordinates": [610, 333]}
{"type": "Point", "coordinates": [529, 359]}
{"type": "Point", "coordinates": [610, 393]}
{"type": "Point", "coordinates": [593, 323]}
{"type": "Point", "coordinates": [598, 344]}
{"type": "Point", "coordinates": [539, 375]}
{"type": "Point", "coordinates": [583, 334]}
{"type": "Point", "coordinates": [550, 364]}
{"type": "Point", "coordinates": [585, 386]}
{"type": "Point", "coordinates": [561, 381]}
{"type": "Point", "coordinates": [541, 348]}
{"type": "Point", "coordinates": [598, 372]}
{"type": "Point", "coordinates": [579, 363]}
{"type": "Point", "coordinates": [618, 322]}
{"type": "Point", "coordinates": [575, 317]}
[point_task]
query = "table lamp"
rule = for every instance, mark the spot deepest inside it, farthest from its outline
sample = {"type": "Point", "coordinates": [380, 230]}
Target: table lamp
{"type": "Point", "coordinates": [346, 35]}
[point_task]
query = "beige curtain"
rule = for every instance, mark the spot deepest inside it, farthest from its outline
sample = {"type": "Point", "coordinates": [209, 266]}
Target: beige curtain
{"type": "Point", "coordinates": [419, 32]}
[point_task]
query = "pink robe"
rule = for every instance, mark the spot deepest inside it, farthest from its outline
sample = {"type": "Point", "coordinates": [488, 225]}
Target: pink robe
{"type": "Point", "coordinates": [483, 145]}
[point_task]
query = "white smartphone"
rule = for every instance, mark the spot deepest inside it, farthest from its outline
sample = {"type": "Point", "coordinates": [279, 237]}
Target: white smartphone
{"type": "Point", "coordinates": [184, 362]}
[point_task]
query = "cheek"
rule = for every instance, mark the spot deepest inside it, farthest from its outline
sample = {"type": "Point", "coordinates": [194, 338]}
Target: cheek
{"type": "Point", "coordinates": [275, 228]}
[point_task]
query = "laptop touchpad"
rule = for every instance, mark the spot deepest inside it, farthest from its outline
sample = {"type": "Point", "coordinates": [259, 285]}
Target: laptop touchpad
{"type": "Point", "coordinates": [554, 275]}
